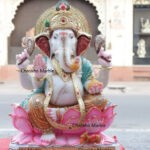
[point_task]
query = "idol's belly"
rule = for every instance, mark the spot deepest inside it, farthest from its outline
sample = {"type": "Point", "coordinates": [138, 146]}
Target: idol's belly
{"type": "Point", "coordinates": [64, 92]}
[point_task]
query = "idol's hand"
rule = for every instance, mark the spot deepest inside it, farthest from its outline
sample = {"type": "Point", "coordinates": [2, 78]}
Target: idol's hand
{"type": "Point", "coordinates": [22, 60]}
{"type": "Point", "coordinates": [39, 66]}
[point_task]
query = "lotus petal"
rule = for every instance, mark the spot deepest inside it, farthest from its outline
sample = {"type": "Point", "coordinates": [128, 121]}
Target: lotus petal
{"type": "Point", "coordinates": [93, 120]}
{"type": "Point", "coordinates": [19, 111]}
{"type": "Point", "coordinates": [37, 140]}
{"type": "Point", "coordinates": [16, 138]}
{"type": "Point", "coordinates": [22, 138]}
{"type": "Point", "coordinates": [73, 140]}
{"type": "Point", "coordinates": [106, 139]}
{"type": "Point", "coordinates": [22, 124]}
{"type": "Point", "coordinates": [61, 140]}
{"type": "Point", "coordinates": [109, 112]}
{"type": "Point", "coordinates": [98, 120]}
{"type": "Point", "coordinates": [26, 138]}
{"type": "Point", "coordinates": [71, 117]}
{"type": "Point", "coordinates": [37, 131]}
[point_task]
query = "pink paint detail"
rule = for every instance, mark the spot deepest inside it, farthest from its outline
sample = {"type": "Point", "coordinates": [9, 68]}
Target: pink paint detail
{"type": "Point", "coordinates": [63, 33]}
{"type": "Point", "coordinates": [104, 58]}
{"type": "Point", "coordinates": [19, 111]}
{"type": "Point", "coordinates": [74, 140]}
{"type": "Point", "coordinates": [63, 6]}
{"type": "Point", "coordinates": [77, 60]}
{"type": "Point", "coordinates": [95, 120]}
{"type": "Point", "coordinates": [106, 139]}
{"type": "Point", "coordinates": [71, 117]}
{"type": "Point", "coordinates": [39, 64]}
{"type": "Point", "coordinates": [30, 135]}
{"type": "Point", "coordinates": [43, 43]}
{"type": "Point", "coordinates": [82, 45]}
{"type": "Point", "coordinates": [96, 89]}
{"type": "Point", "coordinates": [37, 139]}
{"type": "Point", "coordinates": [121, 147]}
{"type": "Point", "coordinates": [115, 138]}
{"type": "Point", "coordinates": [61, 140]}
{"type": "Point", "coordinates": [36, 131]}
{"type": "Point", "coordinates": [21, 122]}
{"type": "Point", "coordinates": [22, 138]}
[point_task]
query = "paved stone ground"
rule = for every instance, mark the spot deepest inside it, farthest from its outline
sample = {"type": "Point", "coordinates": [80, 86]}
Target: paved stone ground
{"type": "Point", "coordinates": [132, 139]}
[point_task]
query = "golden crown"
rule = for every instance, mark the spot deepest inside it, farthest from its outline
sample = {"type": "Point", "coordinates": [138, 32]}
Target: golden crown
{"type": "Point", "coordinates": [62, 16]}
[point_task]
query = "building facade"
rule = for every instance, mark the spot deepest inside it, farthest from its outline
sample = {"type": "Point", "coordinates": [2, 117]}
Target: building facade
{"type": "Point", "coordinates": [116, 24]}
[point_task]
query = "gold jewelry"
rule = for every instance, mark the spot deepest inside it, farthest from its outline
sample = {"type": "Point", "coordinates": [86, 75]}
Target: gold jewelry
{"type": "Point", "coordinates": [79, 97]}
{"type": "Point", "coordinates": [59, 116]}
{"type": "Point", "coordinates": [36, 113]}
{"type": "Point", "coordinates": [62, 19]}
{"type": "Point", "coordinates": [102, 67]}
{"type": "Point", "coordinates": [65, 76]}
{"type": "Point", "coordinates": [106, 68]}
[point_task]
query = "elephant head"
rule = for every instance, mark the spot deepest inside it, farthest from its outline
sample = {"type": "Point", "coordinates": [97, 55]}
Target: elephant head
{"type": "Point", "coordinates": [65, 46]}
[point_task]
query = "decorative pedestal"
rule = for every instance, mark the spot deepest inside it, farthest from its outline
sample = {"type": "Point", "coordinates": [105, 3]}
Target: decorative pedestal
{"type": "Point", "coordinates": [79, 147]}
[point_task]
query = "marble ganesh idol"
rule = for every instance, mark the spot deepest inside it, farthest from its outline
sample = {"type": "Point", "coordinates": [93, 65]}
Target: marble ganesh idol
{"type": "Point", "coordinates": [66, 106]}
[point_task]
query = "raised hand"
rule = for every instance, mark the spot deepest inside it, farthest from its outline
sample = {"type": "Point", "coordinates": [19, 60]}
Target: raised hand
{"type": "Point", "coordinates": [28, 45]}
{"type": "Point", "coordinates": [21, 59]}
{"type": "Point", "coordinates": [39, 66]}
{"type": "Point", "coordinates": [104, 58]}
{"type": "Point", "coordinates": [95, 87]}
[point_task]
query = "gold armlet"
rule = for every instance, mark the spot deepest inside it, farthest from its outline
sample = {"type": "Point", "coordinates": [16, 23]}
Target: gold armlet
{"type": "Point", "coordinates": [101, 67]}
{"type": "Point", "coordinates": [59, 116]}
{"type": "Point", "coordinates": [105, 68]}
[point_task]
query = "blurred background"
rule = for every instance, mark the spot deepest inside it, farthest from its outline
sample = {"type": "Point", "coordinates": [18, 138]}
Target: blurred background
{"type": "Point", "coordinates": [126, 26]}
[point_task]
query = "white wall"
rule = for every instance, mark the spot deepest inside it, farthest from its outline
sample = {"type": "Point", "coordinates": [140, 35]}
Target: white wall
{"type": "Point", "coordinates": [3, 35]}
{"type": "Point", "coordinates": [119, 31]}
{"type": "Point", "coordinates": [7, 13]}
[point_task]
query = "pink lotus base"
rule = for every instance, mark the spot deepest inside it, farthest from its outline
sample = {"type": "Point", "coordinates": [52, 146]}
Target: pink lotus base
{"type": "Point", "coordinates": [61, 140]}
{"type": "Point", "coordinates": [32, 136]}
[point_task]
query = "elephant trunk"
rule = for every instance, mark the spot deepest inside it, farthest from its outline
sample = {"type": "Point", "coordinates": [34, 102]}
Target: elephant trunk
{"type": "Point", "coordinates": [72, 63]}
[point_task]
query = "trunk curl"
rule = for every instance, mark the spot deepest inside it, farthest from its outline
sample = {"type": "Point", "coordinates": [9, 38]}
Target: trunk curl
{"type": "Point", "coordinates": [72, 63]}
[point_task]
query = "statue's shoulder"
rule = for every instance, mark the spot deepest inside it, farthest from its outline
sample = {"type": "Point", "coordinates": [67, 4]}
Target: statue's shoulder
{"type": "Point", "coordinates": [86, 63]}
{"type": "Point", "coordinates": [86, 69]}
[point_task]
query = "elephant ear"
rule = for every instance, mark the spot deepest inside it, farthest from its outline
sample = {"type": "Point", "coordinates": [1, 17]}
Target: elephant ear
{"type": "Point", "coordinates": [83, 43]}
{"type": "Point", "coordinates": [42, 41]}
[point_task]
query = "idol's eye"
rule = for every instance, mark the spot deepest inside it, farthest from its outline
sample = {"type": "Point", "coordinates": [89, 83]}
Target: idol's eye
{"type": "Point", "coordinates": [71, 36]}
{"type": "Point", "coordinates": [72, 56]}
{"type": "Point", "coordinates": [55, 36]}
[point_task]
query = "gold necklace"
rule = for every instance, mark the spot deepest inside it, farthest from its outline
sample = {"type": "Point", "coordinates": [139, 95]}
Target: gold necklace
{"type": "Point", "coordinates": [79, 97]}
{"type": "Point", "coordinates": [65, 76]}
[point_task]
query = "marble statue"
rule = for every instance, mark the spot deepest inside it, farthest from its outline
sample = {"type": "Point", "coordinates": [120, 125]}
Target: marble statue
{"type": "Point", "coordinates": [145, 25]}
{"type": "Point", "coordinates": [141, 51]}
{"type": "Point", "coordinates": [66, 107]}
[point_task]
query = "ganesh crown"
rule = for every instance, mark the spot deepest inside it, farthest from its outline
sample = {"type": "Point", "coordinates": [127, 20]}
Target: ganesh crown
{"type": "Point", "coordinates": [62, 16]}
